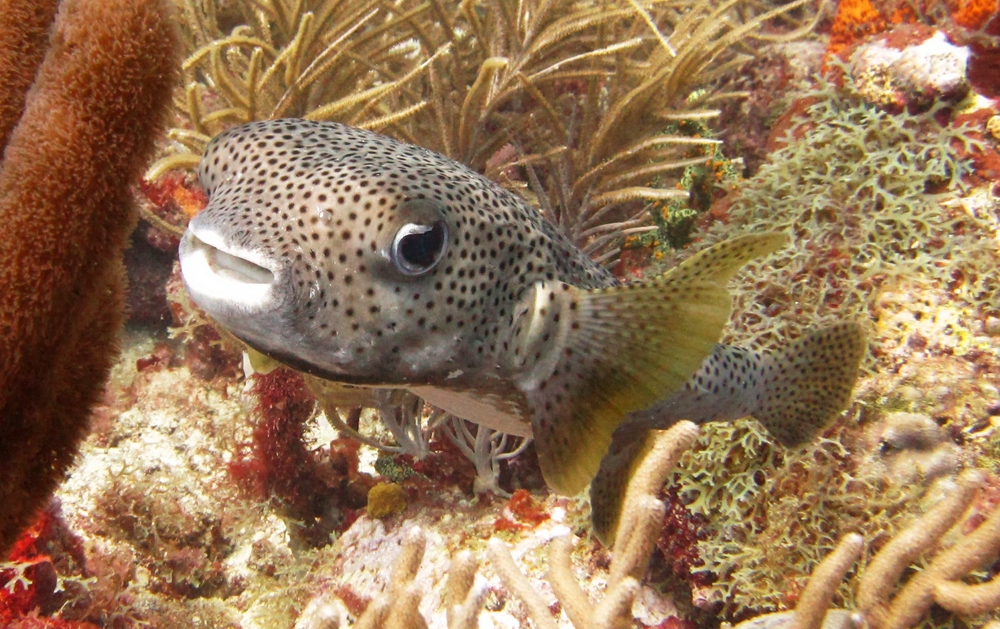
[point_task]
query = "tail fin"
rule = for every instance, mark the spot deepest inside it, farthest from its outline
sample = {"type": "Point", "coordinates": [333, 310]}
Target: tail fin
{"type": "Point", "coordinates": [795, 393]}
{"type": "Point", "coordinates": [809, 382]}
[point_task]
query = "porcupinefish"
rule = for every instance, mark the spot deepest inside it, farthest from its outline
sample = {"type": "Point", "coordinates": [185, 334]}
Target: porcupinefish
{"type": "Point", "coordinates": [359, 259]}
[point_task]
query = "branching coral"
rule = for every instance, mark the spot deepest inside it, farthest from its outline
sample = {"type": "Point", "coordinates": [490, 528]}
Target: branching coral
{"type": "Point", "coordinates": [813, 609]}
{"type": "Point", "coordinates": [772, 514]}
{"type": "Point", "coordinates": [89, 125]}
{"type": "Point", "coordinates": [642, 515]}
{"type": "Point", "coordinates": [634, 539]}
{"type": "Point", "coordinates": [583, 95]}
{"type": "Point", "coordinates": [565, 100]}
{"type": "Point", "coordinates": [487, 448]}
{"type": "Point", "coordinates": [397, 606]}
{"type": "Point", "coordinates": [401, 413]}
{"type": "Point", "coordinates": [940, 581]}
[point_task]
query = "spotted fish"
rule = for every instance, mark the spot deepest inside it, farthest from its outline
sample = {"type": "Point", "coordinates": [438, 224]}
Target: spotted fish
{"type": "Point", "coordinates": [366, 261]}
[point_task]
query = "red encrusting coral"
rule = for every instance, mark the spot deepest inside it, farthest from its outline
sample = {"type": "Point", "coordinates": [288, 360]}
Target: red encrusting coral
{"type": "Point", "coordinates": [522, 512]}
{"type": "Point", "coordinates": [677, 548]}
{"type": "Point", "coordinates": [175, 197]}
{"type": "Point", "coordinates": [30, 590]}
{"type": "Point", "coordinates": [276, 465]}
{"type": "Point", "coordinates": [974, 14]}
{"type": "Point", "coordinates": [523, 505]}
{"type": "Point", "coordinates": [854, 20]}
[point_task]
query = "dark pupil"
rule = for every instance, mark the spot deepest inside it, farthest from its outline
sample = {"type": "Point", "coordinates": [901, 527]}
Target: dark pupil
{"type": "Point", "coordinates": [422, 249]}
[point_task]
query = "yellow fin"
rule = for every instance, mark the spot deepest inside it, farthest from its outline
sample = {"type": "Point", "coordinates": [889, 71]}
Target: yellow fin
{"type": "Point", "coordinates": [586, 358]}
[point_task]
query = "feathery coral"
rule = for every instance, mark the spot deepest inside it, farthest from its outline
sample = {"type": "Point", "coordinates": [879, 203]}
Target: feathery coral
{"type": "Point", "coordinates": [564, 100]}
{"type": "Point", "coordinates": [24, 29]}
{"type": "Point", "coordinates": [89, 125]}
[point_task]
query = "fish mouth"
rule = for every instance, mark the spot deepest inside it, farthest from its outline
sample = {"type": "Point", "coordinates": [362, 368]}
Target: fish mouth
{"type": "Point", "coordinates": [221, 278]}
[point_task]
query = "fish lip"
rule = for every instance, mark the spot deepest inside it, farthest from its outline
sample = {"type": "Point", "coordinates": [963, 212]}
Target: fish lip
{"type": "Point", "coordinates": [222, 278]}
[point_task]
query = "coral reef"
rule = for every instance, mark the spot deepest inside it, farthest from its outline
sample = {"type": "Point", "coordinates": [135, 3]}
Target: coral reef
{"type": "Point", "coordinates": [940, 580]}
{"type": "Point", "coordinates": [641, 516]}
{"type": "Point", "coordinates": [276, 466]}
{"type": "Point", "coordinates": [89, 125]}
{"type": "Point", "coordinates": [211, 496]}
{"type": "Point", "coordinates": [258, 60]}
{"type": "Point", "coordinates": [854, 20]}
{"type": "Point", "coordinates": [915, 77]}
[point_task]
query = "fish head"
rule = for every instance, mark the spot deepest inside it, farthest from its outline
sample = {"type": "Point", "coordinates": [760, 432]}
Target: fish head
{"type": "Point", "coordinates": [349, 255]}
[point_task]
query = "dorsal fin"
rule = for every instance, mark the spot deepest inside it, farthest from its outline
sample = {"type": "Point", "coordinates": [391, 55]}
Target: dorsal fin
{"type": "Point", "coordinates": [586, 358]}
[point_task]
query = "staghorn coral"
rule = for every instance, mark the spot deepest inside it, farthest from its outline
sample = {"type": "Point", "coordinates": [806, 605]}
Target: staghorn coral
{"type": "Point", "coordinates": [88, 127]}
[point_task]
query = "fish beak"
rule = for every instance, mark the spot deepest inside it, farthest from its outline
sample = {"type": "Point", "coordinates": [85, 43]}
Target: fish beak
{"type": "Point", "coordinates": [221, 279]}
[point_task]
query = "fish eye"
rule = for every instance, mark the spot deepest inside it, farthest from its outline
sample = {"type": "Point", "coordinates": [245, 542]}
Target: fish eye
{"type": "Point", "coordinates": [417, 248]}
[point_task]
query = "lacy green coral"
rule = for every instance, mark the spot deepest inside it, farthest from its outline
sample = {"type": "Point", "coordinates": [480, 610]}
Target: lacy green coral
{"type": "Point", "coordinates": [860, 193]}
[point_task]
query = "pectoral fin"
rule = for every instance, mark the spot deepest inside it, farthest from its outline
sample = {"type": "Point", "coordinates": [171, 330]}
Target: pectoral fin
{"type": "Point", "coordinates": [587, 358]}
